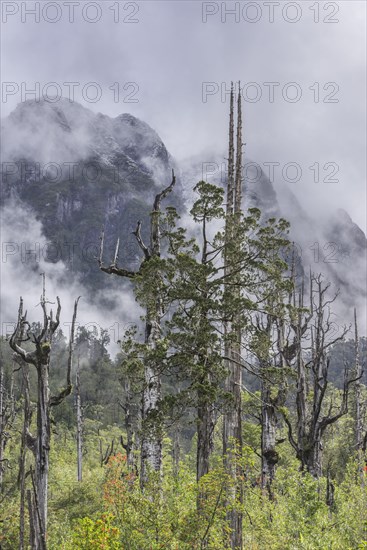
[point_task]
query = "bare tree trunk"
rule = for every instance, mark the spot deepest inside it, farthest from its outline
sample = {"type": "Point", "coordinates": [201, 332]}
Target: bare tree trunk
{"type": "Point", "coordinates": [315, 326]}
{"type": "Point", "coordinates": [39, 526]}
{"type": "Point", "coordinates": [34, 538]}
{"type": "Point", "coordinates": [233, 448]}
{"type": "Point", "coordinates": [312, 457]}
{"type": "Point", "coordinates": [232, 426]}
{"type": "Point", "coordinates": [228, 421]}
{"type": "Point", "coordinates": [40, 444]}
{"type": "Point", "coordinates": [308, 429]}
{"type": "Point", "coordinates": [273, 395]}
{"type": "Point", "coordinates": [151, 443]}
{"type": "Point", "coordinates": [152, 432]}
{"type": "Point", "coordinates": [269, 455]}
{"type": "Point", "coordinates": [151, 440]}
{"type": "Point", "coordinates": [11, 394]}
{"type": "Point", "coordinates": [79, 426]}
{"type": "Point", "coordinates": [43, 441]}
{"type": "Point", "coordinates": [23, 454]}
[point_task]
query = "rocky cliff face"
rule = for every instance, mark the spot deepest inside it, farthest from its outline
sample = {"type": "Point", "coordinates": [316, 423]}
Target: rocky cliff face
{"type": "Point", "coordinates": [80, 171]}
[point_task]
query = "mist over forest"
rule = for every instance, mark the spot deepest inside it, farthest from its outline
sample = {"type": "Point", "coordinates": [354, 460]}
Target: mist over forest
{"type": "Point", "coordinates": [183, 278]}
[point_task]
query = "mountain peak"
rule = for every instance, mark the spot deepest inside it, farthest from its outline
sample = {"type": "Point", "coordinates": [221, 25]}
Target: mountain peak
{"type": "Point", "coordinates": [62, 107]}
{"type": "Point", "coordinates": [46, 130]}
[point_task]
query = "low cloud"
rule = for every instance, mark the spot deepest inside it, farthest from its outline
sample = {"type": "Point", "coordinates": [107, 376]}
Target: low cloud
{"type": "Point", "coordinates": [24, 260]}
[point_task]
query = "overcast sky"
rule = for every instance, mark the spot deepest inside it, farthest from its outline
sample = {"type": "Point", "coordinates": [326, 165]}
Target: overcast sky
{"type": "Point", "coordinates": [168, 50]}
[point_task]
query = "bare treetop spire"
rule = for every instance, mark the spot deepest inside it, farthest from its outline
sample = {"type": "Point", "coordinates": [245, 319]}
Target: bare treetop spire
{"type": "Point", "coordinates": [230, 182]}
{"type": "Point", "coordinates": [238, 178]}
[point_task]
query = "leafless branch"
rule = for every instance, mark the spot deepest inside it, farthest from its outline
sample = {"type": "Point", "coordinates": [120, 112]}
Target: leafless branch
{"type": "Point", "coordinates": [56, 400]}
{"type": "Point", "coordinates": [139, 239]}
{"type": "Point", "coordinates": [113, 269]}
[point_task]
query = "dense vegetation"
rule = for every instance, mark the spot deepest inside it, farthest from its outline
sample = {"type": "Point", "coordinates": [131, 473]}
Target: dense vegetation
{"type": "Point", "coordinates": [107, 509]}
{"type": "Point", "coordinates": [234, 415]}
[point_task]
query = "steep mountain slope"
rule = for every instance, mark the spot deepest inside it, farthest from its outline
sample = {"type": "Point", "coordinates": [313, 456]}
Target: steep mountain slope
{"type": "Point", "coordinates": [80, 171]}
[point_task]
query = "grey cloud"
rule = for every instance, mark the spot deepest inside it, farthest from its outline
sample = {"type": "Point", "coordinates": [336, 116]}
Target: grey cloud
{"type": "Point", "coordinates": [171, 52]}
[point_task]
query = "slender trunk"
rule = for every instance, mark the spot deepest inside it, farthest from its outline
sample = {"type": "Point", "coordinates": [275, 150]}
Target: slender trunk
{"type": "Point", "coordinates": [358, 404]}
{"type": "Point", "coordinates": [205, 426]}
{"type": "Point", "coordinates": [79, 429]}
{"type": "Point", "coordinates": [233, 451]}
{"type": "Point", "coordinates": [43, 444]}
{"type": "Point", "coordinates": [302, 436]}
{"type": "Point", "coordinates": [152, 429]}
{"type": "Point", "coordinates": [129, 447]}
{"type": "Point", "coordinates": [308, 435]}
{"type": "Point", "coordinates": [22, 457]}
{"type": "Point", "coordinates": [232, 426]}
{"type": "Point", "coordinates": [34, 538]}
{"type": "Point", "coordinates": [151, 444]}
{"type": "Point", "coordinates": [176, 451]}
{"type": "Point", "coordinates": [269, 455]}
{"type": "Point", "coordinates": [330, 490]}
{"type": "Point", "coordinates": [11, 394]}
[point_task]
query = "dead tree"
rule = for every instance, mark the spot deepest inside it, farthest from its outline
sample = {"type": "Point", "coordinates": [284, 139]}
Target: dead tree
{"type": "Point", "coordinates": [312, 337]}
{"type": "Point", "coordinates": [232, 424]}
{"type": "Point", "coordinates": [151, 440]}
{"type": "Point", "coordinates": [272, 376]}
{"type": "Point", "coordinates": [27, 419]}
{"type": "Point", "coordinates": [79, 424]}
{"type": "Point", "coordinates": [274, 355]}
{"type": "Point", "coordinates": [269, 423]}
{"type": "Point", "coordinates": [40, 443]}
{"type": "Point", "coordinates": [269, 349]}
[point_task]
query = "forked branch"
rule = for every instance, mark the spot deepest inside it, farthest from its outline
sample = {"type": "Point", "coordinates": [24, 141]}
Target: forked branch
{"type": "Point", "coordinates": [112, 268]}
{"type": "Point", "coordinates": [57, 399]}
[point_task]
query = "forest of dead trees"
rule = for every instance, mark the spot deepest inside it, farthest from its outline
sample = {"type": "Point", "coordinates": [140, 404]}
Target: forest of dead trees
{"type": "Point", "coordinates": [234, 376]}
